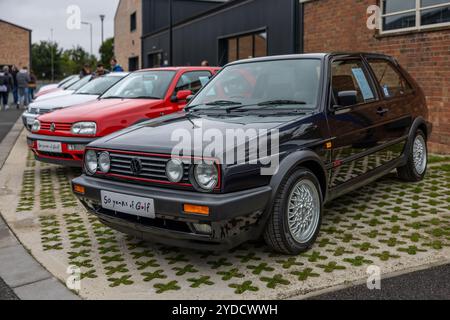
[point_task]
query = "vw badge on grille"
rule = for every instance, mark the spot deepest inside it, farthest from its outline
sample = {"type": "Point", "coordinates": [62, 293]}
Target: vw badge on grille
{"type": "Point", "coordinates": [52, 127]}
{"type": "Point", "coordinates": [136, 166]}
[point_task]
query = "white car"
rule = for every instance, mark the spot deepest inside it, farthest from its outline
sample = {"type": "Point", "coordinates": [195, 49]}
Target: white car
{"type": "Point", "coordinates": [65, 90]}
{"type": "Point", "coordinates": [50, 87]}
{"type": "Point", "coordinates": [89, 92]}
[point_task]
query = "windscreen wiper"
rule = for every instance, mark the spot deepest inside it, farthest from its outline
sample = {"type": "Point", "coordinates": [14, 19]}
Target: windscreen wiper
{"type": "Point", "coordinates": [218, 103]}
{"type": "Point", "coordinates": [280, 102]}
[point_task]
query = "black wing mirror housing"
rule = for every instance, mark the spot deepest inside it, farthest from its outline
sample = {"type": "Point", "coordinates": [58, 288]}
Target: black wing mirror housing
{"type": "Point", "coordinates": [347, 98]}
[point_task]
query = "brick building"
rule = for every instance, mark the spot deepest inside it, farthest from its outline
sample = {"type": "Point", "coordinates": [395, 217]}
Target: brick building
{"type": "Point", "coordinates": [127, 34]}
{"type": "Point", "coordinates": [16, 45]}
{"type": "Point", "coordinates": [418, 37]}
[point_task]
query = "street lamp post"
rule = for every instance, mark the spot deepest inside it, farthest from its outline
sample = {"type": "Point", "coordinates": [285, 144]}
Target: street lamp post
{"type": "Point", "coordinates": [52, 56]}
{"type": "Point", "coordinates": [170, 32]}
{"type": "Point", "coordinates": [90, 25]}
{"type": "Point", "coordinates": [102, 18]}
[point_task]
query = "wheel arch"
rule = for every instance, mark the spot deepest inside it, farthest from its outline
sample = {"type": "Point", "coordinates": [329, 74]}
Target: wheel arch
{"type": "Point", "coordinates": [306, 159]}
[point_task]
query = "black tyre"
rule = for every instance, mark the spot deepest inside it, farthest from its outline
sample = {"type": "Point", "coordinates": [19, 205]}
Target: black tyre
{"type": "Point", "coordinates": [416, 167]}
{"type": "Point", "coordinates": [295, 222]}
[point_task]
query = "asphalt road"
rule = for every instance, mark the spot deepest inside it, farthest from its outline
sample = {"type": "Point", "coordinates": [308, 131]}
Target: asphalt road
{"type": "Point", "coordinates": [7, 120]}
{"type": "Point", "coordinates": [430, 284]}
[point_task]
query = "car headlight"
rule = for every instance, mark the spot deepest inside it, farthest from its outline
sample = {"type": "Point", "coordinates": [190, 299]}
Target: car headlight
{"type": "Point", "coordinates": [104, 162]}
{"type": "Point", "coordinates": [174, 170]}
{"type": "Point", "coordinates": [206, 175]}
{"type": "Point", "coordinates": [91, 162]}
{"type": "Point", "coordinates": [36, 126]}
{"type": "Point", "coordinates": [84, 128]}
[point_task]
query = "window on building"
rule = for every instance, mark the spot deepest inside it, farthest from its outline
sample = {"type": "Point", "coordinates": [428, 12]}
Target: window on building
{"type": "Point", "coordinates": [246, 46]}
{"type": "Point", "coordinates": [193, 81]}
{"type": "Point", "coordinates": [133, 22]}
{"type": "Point", "coordinates": [392, 82]}
{"type": "Point", "coordinates": [401, 15]}
{"type": "Point", "coordinates": [133, 64]}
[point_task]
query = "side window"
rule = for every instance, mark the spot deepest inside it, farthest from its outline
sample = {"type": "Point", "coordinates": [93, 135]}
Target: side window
{"type": "Point", "coordinates": [350, 75]}
{"type": "Point", "coordinates": [392, 82]}
{"type": "Point", "coordinates": [193, 81]}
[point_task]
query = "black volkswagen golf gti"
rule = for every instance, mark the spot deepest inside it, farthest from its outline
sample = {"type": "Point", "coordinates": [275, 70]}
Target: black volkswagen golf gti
{"type": "Point", "coordinates": [332, 123]}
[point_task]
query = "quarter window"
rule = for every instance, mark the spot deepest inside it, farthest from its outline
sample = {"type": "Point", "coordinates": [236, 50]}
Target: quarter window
{"type": "Point", "coordinates": [400, 15]}
{"type": "Point", "coordinates": [193, 81]}
{"type": "Point", "coordinates": [350, 75]}
{"type": "Point", "coordinates": [392, 82]}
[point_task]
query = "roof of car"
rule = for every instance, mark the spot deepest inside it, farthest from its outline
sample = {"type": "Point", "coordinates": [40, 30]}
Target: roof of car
{"type": "Point", "coordinates": [321, 56]}
{"type": "Point", "coordinates": [117, 74]}
{"type": "Point", "coordinates": [180, 69]}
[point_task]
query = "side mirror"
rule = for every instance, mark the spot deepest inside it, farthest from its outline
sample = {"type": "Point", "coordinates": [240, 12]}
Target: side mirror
{"type": "Point", "coordinates": [182, 95]}
{"type": "Point", "coordinates": [347, 98]}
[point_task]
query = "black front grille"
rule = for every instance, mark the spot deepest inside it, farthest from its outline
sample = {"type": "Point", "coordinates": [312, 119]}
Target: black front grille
{"type": "Point", "coordinates": [153, 168]}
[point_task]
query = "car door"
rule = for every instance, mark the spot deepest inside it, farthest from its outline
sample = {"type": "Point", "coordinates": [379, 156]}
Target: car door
{"type": "Point", "coordinates": [190, 80]}
{"type": "Point", "coordinates": [398, 96]}
{"type": "Point", "coordinates": [353, 119]}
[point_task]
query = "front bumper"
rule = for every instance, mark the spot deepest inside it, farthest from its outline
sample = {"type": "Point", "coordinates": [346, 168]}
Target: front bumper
{"type": "Point", "coordinates": [28, 119]}
{"type": "Point", "coordinates": [70, 158]}
{"type": "Point", "coordinates": [234, 218]}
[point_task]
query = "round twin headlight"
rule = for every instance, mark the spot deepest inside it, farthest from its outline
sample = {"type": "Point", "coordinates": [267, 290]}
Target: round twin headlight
{"type": "Point", "coordinates": [91, 162]}
{"type": "Point", "coordinates": [36, 126]}
{"type": "Point", "coordinates": [175, 170]}
{"type": "Point", "coordinates": [104, 162]}
{"type": "Point", "coordinates": [206, 175]}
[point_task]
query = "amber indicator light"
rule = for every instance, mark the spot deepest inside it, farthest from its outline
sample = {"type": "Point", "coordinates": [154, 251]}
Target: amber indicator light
{"type": "Point", "coordinates": [194, 209]}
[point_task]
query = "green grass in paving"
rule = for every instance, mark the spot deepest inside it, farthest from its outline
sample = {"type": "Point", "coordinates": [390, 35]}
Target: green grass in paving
{"type": "Point", "coordinates": [379, 224]}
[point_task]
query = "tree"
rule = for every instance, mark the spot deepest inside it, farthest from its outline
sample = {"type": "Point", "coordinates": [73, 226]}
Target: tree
{"type": "Point", "coordinates": [77, 57]}
{"type": "Point", "coordinates": [41, 60]}
{"type": "Point", "coordinates": [65, 62]}
{"type": "Point", "coordinates": [107, 52]}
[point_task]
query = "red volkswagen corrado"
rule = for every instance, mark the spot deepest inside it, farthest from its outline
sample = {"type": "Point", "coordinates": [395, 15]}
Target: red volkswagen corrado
{"type": "Point", "coordinates": [61, 136]}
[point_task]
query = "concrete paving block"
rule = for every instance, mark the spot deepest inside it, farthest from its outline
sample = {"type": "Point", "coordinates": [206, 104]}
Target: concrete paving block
{"type": "Point", "coordinates": [49, 289]}
{"type": "Point", "coordinates": [18, 268]}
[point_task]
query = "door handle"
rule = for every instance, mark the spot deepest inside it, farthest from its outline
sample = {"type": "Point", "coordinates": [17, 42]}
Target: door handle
{"type": "Point", "coordinates": [382, 111]}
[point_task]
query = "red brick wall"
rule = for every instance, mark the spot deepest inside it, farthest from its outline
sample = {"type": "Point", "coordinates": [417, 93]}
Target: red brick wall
{"type": "Point", "coordinates": [15, 48]}
{"type": "Point", "coordinates": [340, 25]}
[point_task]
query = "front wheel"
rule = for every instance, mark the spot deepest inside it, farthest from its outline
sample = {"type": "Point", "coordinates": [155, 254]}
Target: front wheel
{"type": "Point", "coordinates": [295, 222]}
{"type": "Point", "coordinates": [416, 167]}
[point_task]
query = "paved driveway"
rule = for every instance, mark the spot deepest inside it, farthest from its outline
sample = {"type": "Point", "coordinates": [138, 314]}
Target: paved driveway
{"type": "Point", "coordinates": [389, 224]}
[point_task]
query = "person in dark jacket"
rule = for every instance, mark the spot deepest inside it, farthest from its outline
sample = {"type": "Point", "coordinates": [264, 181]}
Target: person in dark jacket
{"type": "Point", "coordinates": [101, 71]}
{"type": "Point", "coordinates": [6, 84]}
{"type": "Point", "coordinates": [32, 86]}
{"type": "Point", "coordinates": [86, 71]}
{"type": "Point", "coordinates": [115, 67]}
{"type": "Point", "coordinates": [23, 78]}
{"type": "Point", "coordinates": [15, 89]}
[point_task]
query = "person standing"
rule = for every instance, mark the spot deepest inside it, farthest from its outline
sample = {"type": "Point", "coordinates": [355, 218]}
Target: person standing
{"type": "Point", "coordinates": [6, 84]}
{"type": "Point", "coordinates": [115, 67]}
{"type": "Point", "coordinates": [86, 71]}
{"type": "Point", "coordinates": [101, 71]}
{"type": "Point", "coordinates": [32, 86]}
{"type": "Point", "coordinates": [15, 88]}
{"type": "Point", "coordinates": [23, 78]}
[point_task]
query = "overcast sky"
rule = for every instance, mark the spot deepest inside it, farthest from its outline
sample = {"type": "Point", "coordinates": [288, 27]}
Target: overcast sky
{"type": "Point", "coordinates": [43, 15]}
